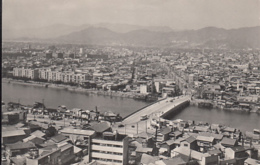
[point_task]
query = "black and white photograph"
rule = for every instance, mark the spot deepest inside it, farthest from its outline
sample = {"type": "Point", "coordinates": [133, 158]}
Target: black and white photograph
{"type": "Point", "coordinates": [130, 82]}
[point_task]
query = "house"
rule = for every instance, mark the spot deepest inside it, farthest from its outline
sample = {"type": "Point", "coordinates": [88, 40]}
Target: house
{"type": "Point", "coordinates": [163, 134]}
{"type": "Point", "coordinates": [202, 158]}
{"type": "Point", "coordinates": [13, 136]}
{"type": "Point", "coordinates": [227, 142]}
{"type": "Point", "coordinates": [19, 148]}
{"type": "Point", "coordinates": [51, 157]}
{"type": "Point", "coordinates": [229, 131]}
{"type": "Point", "coordinates": [241, 153]}
{"type": "Point", "coordinates": [198, 129]}
{"type": "Point", "coordinates": [190, 143]}
{"type": "Point", "coordinates": [205, 143]}
{"type": "Point", "coordinates": [217, 137]}
{"type": "Point", "coordinates": [175, 135]}
{"type": "Point", "coordinates": [145, 139]}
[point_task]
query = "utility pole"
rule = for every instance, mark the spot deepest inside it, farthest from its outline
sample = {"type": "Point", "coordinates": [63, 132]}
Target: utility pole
{"type": "Point", "coordinates": [137, 127]}
{"type": "Point", "coordinates": [146, 126]}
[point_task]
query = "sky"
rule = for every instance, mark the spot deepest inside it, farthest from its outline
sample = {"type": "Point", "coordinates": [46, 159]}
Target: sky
{"type": "Point", "coordinates": [177, 14]}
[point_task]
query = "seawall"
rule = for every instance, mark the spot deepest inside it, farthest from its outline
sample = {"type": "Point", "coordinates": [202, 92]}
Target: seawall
{"type": "Point", "coordinates": [169, 114]}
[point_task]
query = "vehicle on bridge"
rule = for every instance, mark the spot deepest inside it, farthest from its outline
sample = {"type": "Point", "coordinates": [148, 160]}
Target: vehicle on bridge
{"type": "Point", "coordinates": [144, 117]}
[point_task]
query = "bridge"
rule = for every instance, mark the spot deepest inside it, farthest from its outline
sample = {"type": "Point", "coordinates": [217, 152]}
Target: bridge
{"type": "Point", "coordinates": [133, 124]}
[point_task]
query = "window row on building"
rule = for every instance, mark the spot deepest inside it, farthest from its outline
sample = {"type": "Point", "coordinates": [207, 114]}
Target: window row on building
{"type": "Point", "coordinates": [49, 75]}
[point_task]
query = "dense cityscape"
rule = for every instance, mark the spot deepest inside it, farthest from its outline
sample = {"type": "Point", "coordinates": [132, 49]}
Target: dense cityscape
{"type": "Point", "coordinates": [109, 82]}
{"type": "Point", "coordinates": [225, 79]}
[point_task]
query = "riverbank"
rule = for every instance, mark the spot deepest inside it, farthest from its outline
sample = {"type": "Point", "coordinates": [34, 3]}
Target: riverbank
{"type": "Point", "coordinates": [195, 102]}
{"type": "Point", "coordinates": [72, 88]}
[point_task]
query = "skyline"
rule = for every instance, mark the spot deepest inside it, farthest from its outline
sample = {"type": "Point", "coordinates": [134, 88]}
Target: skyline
{"type": "Point", "coordinates": [177, 14]}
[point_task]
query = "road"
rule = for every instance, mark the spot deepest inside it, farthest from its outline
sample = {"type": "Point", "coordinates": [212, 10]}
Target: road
{"type": "Point", "coordinates": [133, 125]}
{"type": "Point", "coordinates": [62, 122]}
{"type": "Point", "coordinates": [159, 107]}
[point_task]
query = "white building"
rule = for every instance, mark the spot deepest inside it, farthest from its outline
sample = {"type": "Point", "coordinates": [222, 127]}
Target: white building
{"type": "Point", "coordinates": [112, 148]}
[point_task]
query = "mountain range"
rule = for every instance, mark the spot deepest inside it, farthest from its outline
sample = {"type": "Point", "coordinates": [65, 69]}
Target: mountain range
{"type": "Point", "coordinates": [133, 35]}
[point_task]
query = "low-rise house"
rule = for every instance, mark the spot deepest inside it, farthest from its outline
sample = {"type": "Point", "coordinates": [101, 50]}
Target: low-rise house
{"type": "Point", "coordinates": [198, 129]}
{"type": "Point", "coordinates": [217, 137]}
{"type": "Point", "coordinates": [163, 134]}
{"type": "Point", "coordinates": [13, 136]}
{"type": "Point", "coordinates": [190, 143]}
{"type": "Point", "coordinates": [175, 135]}
{"type": "Point", "coordinates": [228, 142]}
{"type": "Point", "coordinates": [240, 153]}
{"type": "Point", "coordinates": [19, 148]}
{"type": "Point", "coordinates": [228, 131]}
{"type": "Point", "coordinates": [52, 157]}
{"type": "Point", "coordinates": [202, 158]}
{"type": "Point", "coordinates": [205, 143]}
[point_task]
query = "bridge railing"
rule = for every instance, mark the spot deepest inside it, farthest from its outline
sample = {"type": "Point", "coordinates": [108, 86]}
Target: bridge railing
{"type": "Point", "coordinates": [143, 108]}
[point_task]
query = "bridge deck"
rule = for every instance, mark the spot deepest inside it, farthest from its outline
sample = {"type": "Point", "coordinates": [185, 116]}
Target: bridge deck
{"type": "Point", "coordinates": [159, 107]}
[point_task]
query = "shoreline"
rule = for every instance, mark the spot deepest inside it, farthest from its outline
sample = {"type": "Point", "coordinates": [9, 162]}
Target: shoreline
{"type": "Point", "coordinates": [194, 102]}
{"type": "Point", "coordinates": [71, 88]}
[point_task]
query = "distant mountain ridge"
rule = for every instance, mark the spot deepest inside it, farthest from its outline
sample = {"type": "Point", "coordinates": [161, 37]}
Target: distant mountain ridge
{"type": "Point", "coordinates": [58, 30]}
{"type": "Point", "coordinates": [209, 37]}
{"type": "Point", "coordinates": [123, 34]}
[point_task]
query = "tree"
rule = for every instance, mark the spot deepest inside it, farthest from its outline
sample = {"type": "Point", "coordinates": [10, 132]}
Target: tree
{"type": "Point", "coordinates": [51, 131]}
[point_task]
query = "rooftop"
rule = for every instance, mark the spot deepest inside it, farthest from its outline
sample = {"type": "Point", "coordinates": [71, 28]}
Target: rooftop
{"type": "Point", "coordinates": [13, 133]}
{"type": "Point", "coordinates": [77, 131]}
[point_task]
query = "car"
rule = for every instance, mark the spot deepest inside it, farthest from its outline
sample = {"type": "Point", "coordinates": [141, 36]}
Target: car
{"type": "Point", "coordinates": [144, 117]}
{"type": "Point", "coordinates": [133, 126]}
{"type": "Point", "coordinates": [120, 125]}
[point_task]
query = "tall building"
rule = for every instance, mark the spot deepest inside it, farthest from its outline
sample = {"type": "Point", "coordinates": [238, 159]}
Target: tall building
{"type": "Point", "coordinates": [48, 55]}
{"type": "Point", "coordinates": [81, 51]}
{"type": "Point", "coordinates": [111, 148]}
{"type": "Point", "coordinates": [60, 55]}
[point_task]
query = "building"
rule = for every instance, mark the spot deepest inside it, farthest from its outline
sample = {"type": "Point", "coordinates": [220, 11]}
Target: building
{"type": "Point", "coordinates": [71, 133]}
{"type": "Point", "coordinates": [111, 148]}
{"type": "Point", "coordinates": [60, 55]}
{"type": "Point", "coordinates": [143, 89]}
{"type": "Point", "coordinates": [201, 158]}
{"type": "Point", "coordinates": [13, 136]}
{"type": "Point", "coordinates": [19, 148]}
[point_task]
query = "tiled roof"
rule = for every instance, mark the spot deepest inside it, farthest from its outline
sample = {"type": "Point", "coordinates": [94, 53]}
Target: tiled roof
{"type": "Point", "coordinates": [205, 138]}
{"type": "Point", "coordinates": [100, 127]}
{"type": "Point", "coordinates": [58, 138]}
{"type": "Point", "coordinates": [13, 133]}
{"type": "Point", "coordinates": [228, 141]}
{"type": "Point", "coordinates": [190, 139]}
{"type": "Point", "coordinates": [20, 145]}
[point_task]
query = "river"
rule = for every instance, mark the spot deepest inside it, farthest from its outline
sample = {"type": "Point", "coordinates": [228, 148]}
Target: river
{"type": "Point", "coordinates": [27, 95]}
{"type": "Point", "coordinates": [53, 97]}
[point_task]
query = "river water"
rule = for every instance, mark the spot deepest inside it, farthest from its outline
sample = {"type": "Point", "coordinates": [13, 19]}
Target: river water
{"type": "Point", "coordinates": [27, 95]}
